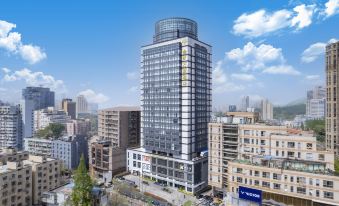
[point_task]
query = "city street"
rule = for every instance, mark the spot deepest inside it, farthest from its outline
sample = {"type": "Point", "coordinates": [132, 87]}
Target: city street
{"type": "Point", "coordinates": [173, 196]}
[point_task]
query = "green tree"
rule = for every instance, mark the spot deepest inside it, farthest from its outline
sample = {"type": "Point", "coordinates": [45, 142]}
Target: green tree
{"type": "Point", "coordinates": [336, 166]}
{"type": "Point", "coordinates": [53, 130]}
{"type": "Point", "coordinates": [82, 191]}
{"type": "Point", "coordinates": [318, 126]}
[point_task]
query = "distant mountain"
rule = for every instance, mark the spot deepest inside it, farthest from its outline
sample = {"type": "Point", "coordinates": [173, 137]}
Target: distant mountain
{"type": "Point", "coordinates": [297, 102]}
{"type": "Point", "coordinates": [289, 111]}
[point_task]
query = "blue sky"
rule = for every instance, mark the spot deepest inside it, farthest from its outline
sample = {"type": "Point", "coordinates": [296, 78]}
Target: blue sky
{"type": "Point", "coordinates": [271, 49]}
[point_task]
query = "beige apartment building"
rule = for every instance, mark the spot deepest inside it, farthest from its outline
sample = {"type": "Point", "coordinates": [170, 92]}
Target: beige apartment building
{"type": "Point", "coordinates": [278, 141]}
{"type": "Point", "coordinates": [46, 175]}
{"type": "Point", "coordinates": [223, 146]}
{"type": "Point", "coordinates": [15, 184]}
{"type": "Point", "coordinates": [332, 85]}
{"type": "Point", "coordinates": [12, 155]}
{"type": "Point", "coordinates": [118, 129]}
{"type": "Point", "coordinates": [285, 164]}
{"type": "Point", "coordinates": [288, 181]}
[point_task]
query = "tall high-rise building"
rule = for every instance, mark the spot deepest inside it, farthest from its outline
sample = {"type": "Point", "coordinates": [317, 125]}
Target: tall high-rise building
{"type": "Point", "coordinates": [10, 127]}
{"type": "Point", "coordinates": [245, 103]}
{"type": "Point", "coordinates": [34, 98]}
{"type": "Point", "coordinates": [315, 103]}
{"type": "Point", "coordinates": [70, 107]}
{"type": "Point", "coordinates": [232, 108]}
{"type": "Point", "coordinates": [332, 85]}
{"type": "Point", "coordinates": [81, 105]}
{"type": "Point", "coordinates": [175, 107]}
{"type": "Point", "coordinates": [266, 110]}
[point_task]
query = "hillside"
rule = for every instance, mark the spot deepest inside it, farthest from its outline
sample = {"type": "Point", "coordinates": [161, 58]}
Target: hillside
{"type": "Point", "coordinates": [288, 112]}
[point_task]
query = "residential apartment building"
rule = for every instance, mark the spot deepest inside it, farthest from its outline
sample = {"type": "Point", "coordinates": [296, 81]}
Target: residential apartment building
{"type": "Point", "coordinates": [16, 184]}
{"type": "Point", "coordinates": [316, 103]}
{"type": "Point", "coordinates": [285, 164]}
{"type": "Point", "coordinates": [285, 181]}
{"type": "Point", "coordinates": [38, 146]}
{"type": "Point", "coordinates": [280, 142]}
{"type": "Point", "coordinates": [68, 149]}
{"type": "Point", "coordinates": [120, 125]}
{"type": "Point", "coordinates": [34, 98]}
{"type": "Point", "coordinates": [11, 126]}
{"type": "Point", "coordinates": [78, 127]}
{"type": "Point", "coordinates": [223, 146]}
{"type": "Point", "coordinates": [332, 66]}
{"type": "Point", "coordinates": [69, 107]}
{"type": "Point", "coordinates": [266, 110]}
{"type": "Point", "coordinates": [46, 175]}
{"type": "Point", "coordinates": [175, 107]}
{"type": "Point", "coordinates": [118, 129]}
{"type": "Point", "coordinates": [46, 116]}
{"type": "Point", "coordinates": [12, 155]}
{"type": "Point", "coordinates": [81, 105]}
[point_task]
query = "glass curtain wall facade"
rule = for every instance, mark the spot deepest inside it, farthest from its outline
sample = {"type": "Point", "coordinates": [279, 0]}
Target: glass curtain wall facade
{"type": "Point", "coordinates": [176, 90]}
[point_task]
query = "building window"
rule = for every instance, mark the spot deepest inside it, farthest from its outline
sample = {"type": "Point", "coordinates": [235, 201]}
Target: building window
{"type": "Point", "coordinates": [276, 176]}
{"type": "Point", "coordinates": [301, 190]}
{"type": "Point", "coordinates": [290, 144]}
{"type": "Point", "coordinates": [328, 195]}
{"type": "Point", "coordinates": [266, 174]}
{"type": "Point", "coordinates": [328, 184]}
{"type": "Point", "coordinates": [256, 182]}
{"type": "Point", "coordinates": [265, 184]}
{"type": "Point", "coordinates": [239, 179]}
{"type": "Point", "coordinates": [276, 186]}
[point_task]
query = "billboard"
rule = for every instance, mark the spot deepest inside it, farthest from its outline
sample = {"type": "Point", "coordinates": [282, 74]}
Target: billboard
{"type": "Point", "coordinates": [250, 194]}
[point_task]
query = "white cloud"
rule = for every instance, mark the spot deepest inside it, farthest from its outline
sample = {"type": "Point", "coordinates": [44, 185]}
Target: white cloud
{"type": "Point", "coordinates": [94, 97]}
{"type": "Point", "coordinates": [314, 51]}
{"type": "Point", "coordinates": [243, 77]}
{"type": "Point", "coordinates": [251, 57]}
{"type": "Point", "coordinates": [33, 78]}
{"type": "Point", "coordinates": [32, 54]}
{"type": "Point", "coordinates": [332, 8]}
{"type": "Point", "coordinates": [304, 16]}
{"type": "Point", "coordinates": [218, 75]}
{"type": "Point", "coordinates": [312, 77]}
{"type": "Point", "coordinates": [6, 70]}
{"type": "Point", "coordinates": [221, 84]}
{"type": "Point", "coordinates": [5, 27]}
{"type": "Point", "coordinates": [281, 69]}
{"type": "Point", "coordinates": [11, 42]}
{"type": "Point", "coordinates": [132, 75]}
{"type": "Point", "coordinates": [262, 22]}
{"type": "Point", "coordinates": [3, 89]}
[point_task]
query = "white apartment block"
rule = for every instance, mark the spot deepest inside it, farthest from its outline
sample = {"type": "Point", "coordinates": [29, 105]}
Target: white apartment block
{"type": "Point", "coordinates": [46, 116]}
{"type": "Point", "coordinates": [11, 126]}
{"type": "Point", "coordinates": [39, 146]}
